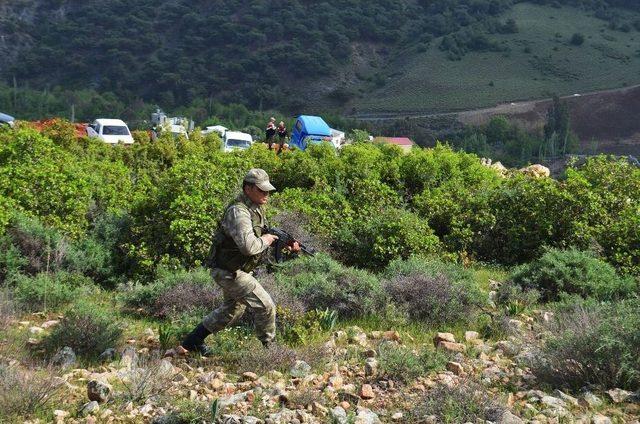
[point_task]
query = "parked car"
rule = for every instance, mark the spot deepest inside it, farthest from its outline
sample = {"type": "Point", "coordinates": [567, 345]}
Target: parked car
{"type": "Point", "coordinates": [236, 140]}
{"type": "Point", "coordinates": [219, 129]}
{"type": "Point", "coordinates": [309, 130]}
{"type": "Point", "coordinates": [7, 120]}
{"type": "Point", "coordinates": [110, 131]}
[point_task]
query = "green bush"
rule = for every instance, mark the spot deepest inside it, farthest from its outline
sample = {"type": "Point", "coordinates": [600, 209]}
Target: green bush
{"type": "Point", "coordinates": [562, 272]}
{"type": "Point", "coordinates": [433, 292]}
{"type": "Point", "coordinates": [49, 291]}
{"type": "Point", "coordinates": [373, 241]}
{"type": "Point", "coordinates": [44, 180]}
{"type": "Point", "coordinates": [319, 282]}
{"type": "Point", "coordinates": [592, 344]}
{"type": "Point", "coordinates": [400, 363]}
{"type": "Point", "coordinates": [87, 329]}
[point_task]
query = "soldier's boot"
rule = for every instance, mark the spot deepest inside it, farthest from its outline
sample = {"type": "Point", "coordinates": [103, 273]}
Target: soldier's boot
{"type": "Point", "coordinates": [194, 342]}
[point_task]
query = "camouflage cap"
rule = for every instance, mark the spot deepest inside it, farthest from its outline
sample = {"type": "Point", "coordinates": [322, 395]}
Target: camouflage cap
{"type": "Point", "coordinates": [260, 178]}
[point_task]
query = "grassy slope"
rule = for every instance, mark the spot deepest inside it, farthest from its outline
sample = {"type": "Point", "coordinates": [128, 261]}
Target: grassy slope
{"type": "Point", "coordinates": [430, 82]}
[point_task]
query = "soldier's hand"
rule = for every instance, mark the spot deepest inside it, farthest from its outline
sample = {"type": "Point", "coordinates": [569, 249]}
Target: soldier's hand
{"type": "Point", "coordinates": [295, 247]}
{"type": "Point", "coordinates": [269, 239]}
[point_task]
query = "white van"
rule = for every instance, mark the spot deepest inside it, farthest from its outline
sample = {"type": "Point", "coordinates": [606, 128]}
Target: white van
{"type": "Point", "coordinates": [110, 131]}
{"type": "Point", "coordinates": [236, 140]}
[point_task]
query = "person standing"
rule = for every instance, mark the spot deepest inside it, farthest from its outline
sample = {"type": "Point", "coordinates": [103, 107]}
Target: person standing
{"type": "Point", "coordinates": [282, 134]}
{"type": "Point", "coordinates": [270, 132]}
{"type": "Point", "coordinates": [237, 250]}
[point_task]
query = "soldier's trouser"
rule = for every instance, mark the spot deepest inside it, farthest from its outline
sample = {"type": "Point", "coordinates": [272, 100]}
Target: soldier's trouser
{"type": "Point", "coordinates": [240, 291]}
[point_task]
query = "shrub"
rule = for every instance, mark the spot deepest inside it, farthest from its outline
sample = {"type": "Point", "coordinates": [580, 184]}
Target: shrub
{"type": "Point", "coordinates": [186, 298]}
{"type": "Point", "coordinates": [592, 344]}
{"type": "Point", "coordinates": [401, 363]}
{"type": "Point", "coordinates": [49, 291]}
{"type": "Point", "coordinates": [7, 309]}
{"type": "Point", "coordinates": [516, 299]}
{"type": "Point", "coordinates": [149, 377]}
{"type": "Point", "coordinates": [30, 247]}
{"type": "Point", "coordinates": [432, 291]}
{"type": "Point", "coordinates": [319, 282]}
{"type": "Point", "coordinates": [571, 271]}
{"type": "Point", "coordinates": [465, 402]}
{"type": "Point", "coordinates": [277, 357]}
{"type": "Point", "coordinates": [147, 297]}
{"type": "Point", "coordinates": [86, 329]}
{"type": "Point", "coordinates": [25, 392]}
{"type": "Point", "coordinates": [373, 241]}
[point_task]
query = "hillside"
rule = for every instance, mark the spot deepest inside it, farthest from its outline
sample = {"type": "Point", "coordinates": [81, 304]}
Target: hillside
{"type": "Point", "coordinates": [355, 57]}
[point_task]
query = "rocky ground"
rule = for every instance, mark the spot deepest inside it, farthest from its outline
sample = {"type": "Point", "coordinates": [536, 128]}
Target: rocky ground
{"type": "Point", "coordinates": [142, 384]}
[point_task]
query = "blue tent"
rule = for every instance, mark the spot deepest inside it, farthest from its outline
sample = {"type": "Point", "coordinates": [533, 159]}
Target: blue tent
{"type": "Point", "coordinates": [309, 129]}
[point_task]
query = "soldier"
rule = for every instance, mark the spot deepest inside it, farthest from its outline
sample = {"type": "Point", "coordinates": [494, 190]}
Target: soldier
{"type": "Point", "coordinates": [237, 249]}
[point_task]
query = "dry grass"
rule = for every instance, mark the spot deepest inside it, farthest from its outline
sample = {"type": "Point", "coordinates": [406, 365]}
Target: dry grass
{"type": "Point", "coordinates": [25, 391]}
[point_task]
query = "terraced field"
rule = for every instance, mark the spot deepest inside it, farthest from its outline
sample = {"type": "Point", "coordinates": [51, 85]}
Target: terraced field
{"type": "Point", "coordinates": [539, 61]}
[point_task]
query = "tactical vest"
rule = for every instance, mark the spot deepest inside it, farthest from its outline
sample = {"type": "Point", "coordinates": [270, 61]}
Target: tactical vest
{"type": "Point", "coordinates": [225, 254]}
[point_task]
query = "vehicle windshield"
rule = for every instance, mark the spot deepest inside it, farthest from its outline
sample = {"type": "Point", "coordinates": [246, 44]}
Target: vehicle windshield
{"type": "Point", "coordinates": [242, 144]}
{"type": "Point", "coordinates": [115, 130]}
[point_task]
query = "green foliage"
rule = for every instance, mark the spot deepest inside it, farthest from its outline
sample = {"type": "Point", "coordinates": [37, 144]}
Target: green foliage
{"type": "Point", "coordinates": [45, 291]}
{"type": "Point", "coordinates": [402, 364]}
{"type": "Point", "coordinates": [572, 272]}
{"type": "Point", "coordinates": [320, 282]}
{"type": "Point", "coordinates": [24, 392]}
{"type": "Point", "coordinates": [373, 241]}
{"type": "Point", "coordinates": [87, 329]}
{"type": "Point", "coordinates": [593, 344]}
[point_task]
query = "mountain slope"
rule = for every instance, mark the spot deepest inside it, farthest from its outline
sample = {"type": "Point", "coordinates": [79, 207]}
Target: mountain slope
{"type": "Point", "coordinates": [351, 56]}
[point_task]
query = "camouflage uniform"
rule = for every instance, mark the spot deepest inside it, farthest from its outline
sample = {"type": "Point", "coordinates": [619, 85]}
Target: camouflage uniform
{"type": "Point", "coordinates": [237, 250]}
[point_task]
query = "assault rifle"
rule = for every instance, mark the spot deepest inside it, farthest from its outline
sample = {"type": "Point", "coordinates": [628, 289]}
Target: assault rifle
{"type": "Point", "coordinates": [285, 239]}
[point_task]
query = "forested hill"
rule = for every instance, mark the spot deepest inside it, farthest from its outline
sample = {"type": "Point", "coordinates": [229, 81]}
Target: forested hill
{"type": "Point", "coordinates": [263, 53]}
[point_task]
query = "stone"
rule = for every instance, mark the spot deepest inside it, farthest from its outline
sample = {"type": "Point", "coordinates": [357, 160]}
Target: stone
{"type": "Point", "coordinates": [50, 323]}
{"type": "Point", "coordinates": [65, 357]}
{"type": "Point", "coordinates": [391, 335]}
{"type": "Point", "coordinates": [89, 408]}
{"type": "Point", "coordinates": [300, 369]}
{"type": "Point", "coordinates": [370, 353]}
{"type": "Point", "coordinates": [366, 392]}
{"type": "Point", "coordinates": [451, 346]}
{"type": "Point", "coordinates": [553, 402]}
{"type": "Point", "coordinates": [590, 400]}
{"type": "Point", "coordinates": [471, 335]}
{"type": "Point", "coordinates": [619, 395]}
{"type": "Point", "coordinates": [233, 399]}
{"type": "Point", "coordinates": [319, 409]}
{"type": "Point", "coordinates": [249, 376]}
{"type": "Point", "coordinates": [397, 416]}
{"type": "Point", "coordinates": [36, 330]}
{"type": "Point", "coordinates": [339, 415]}
{"type": "Point", "coordinates": [371, 367]}
{"type": "Point", "coordinates": [455, 367]}
{"type": "Point", "coordinates": [536, 171]}
{"type": "Point", "coordinates": [336, 381]}
{"type": "Point", "coordinates": [108, 355]}
{"type": "Point", "coordinates": [129, 357]}
{"type": "Point", "coordinates": [443, 337]}
{"type": "Point", "coordinates": [567, 398]}
{"type": "Point", "coordinates": [366, 416]}
{"type": "Point", "coordinates": [230, 419]}
{"type": "Point", "coordinates": [98, 391]}
{"type": "Point", "coordinates": [251, 420]}
{"type": "Point", "coordinates": [60, 415]}
{"type": "Point", "coordinates": [359, 339]}
{"type": "Point", "coordinates": [509, 418]}
{"type": "Point", "coordinates": [601, 419]}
